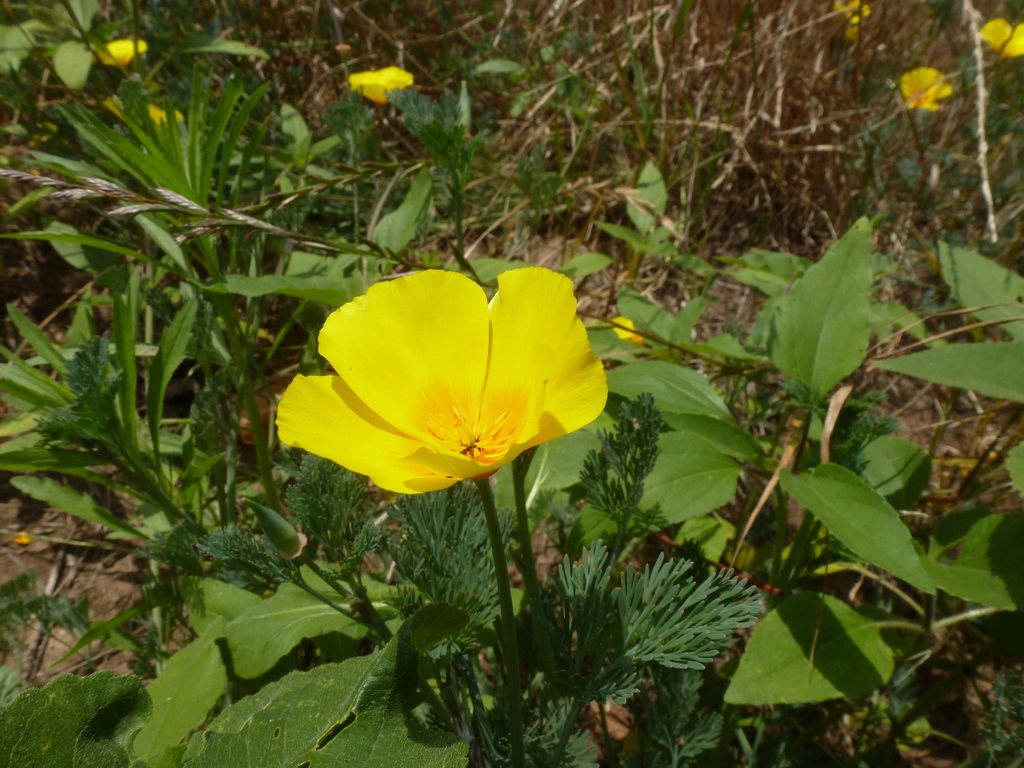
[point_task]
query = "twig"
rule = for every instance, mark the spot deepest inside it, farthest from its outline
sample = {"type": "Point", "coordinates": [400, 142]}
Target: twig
{"type": "Point", "coordinates": [973, 19]}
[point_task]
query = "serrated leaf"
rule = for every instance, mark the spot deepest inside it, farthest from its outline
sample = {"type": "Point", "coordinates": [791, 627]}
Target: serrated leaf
{"type": "Point", "coordinates": [990, 569]}
{"type": "Point", "coordinates": [851, 657]}
{"type": "Point", "coordinates": [262, 635]}
{"type": "Point", "coordinates": [989, 368]}
{"type": "Point", "coordinates": [856, 515]}
{"type": "Point", "coordinates": [73, 721]}
{"type": "Point", "coordinates": [676, 388]}
{"type": "Point", "coordinates": [820, 330]}
{"type": "Point", "coordinates": [898, 470]}
{"type": "Point", "coordinates": [191, 683]}
{"type": "Point", "coordinates": [72, 61]}
{"type": "Point", "coordinates": [690, 478]}
{"type": "Point", "coordinates": [395, 230]}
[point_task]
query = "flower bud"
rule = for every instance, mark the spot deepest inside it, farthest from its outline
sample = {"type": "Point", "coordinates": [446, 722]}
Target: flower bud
{"type": "Point", "coordinates": [281, 533]}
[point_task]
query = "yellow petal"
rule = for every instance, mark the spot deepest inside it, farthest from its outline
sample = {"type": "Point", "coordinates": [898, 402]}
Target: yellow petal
{"type": "Point", "coordinates": [625, 335]}
{"type": "Point", "coordinates": [414, 350]}
{"type": "Point", "coordinates": [1015, 46]}
{"type": "Point", "coordinates": [376, 84]}
{"type": "Point", "coordinates": [123, 51]}
{"type": "Point", "coordinates": [537, 335]}
{"type": "Point", "coordinates": [321, 414]}
{"type": "Point", "coordinates": [923, 87]}
{"type": "Point", "coordinates": [997, 33]}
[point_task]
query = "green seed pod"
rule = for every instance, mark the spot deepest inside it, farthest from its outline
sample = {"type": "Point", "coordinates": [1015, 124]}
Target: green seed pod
{"type": "Point", "coordinates": [281, 533]}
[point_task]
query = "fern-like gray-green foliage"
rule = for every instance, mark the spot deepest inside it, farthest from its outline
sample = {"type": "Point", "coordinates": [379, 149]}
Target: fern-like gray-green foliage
{"type": "Point", "coordinates": [1007, 699]}
{"type": "Point", "coordinates": [255, 554]}
{"type": "Point", "coordinates": [614, 477]}
{"type": "Point", "coordinates": [22, 609]}
{"type": "Point", "coordinates": [676, 732]}
{"type": "Point", "coordinates": [437, 124]}
{"type": "Point", "coordinates": [90, 420]}
{"type": "Point", "coordinates": [443, 549]}
{"type": "Point", "coordinates": [603, 637]}
{"type": "Point", "coordinates": [328, 503]}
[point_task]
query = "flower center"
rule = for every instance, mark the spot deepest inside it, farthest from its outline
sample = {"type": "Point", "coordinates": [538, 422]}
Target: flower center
{"type": "Point", "coordinates": [482, 439]}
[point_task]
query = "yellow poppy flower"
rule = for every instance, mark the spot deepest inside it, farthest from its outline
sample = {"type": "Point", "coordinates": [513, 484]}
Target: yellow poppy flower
{"type": "Point", "coordinates": [1007, 41]}
{"type": "Point", "coordinates": [22, 538]}
{"type": "Point", "coordinates": [435, 384]}
{"type": "Point", "coordinates": [924, 87]}
{"type": "Point", "coordinates": [855, 11]}
{"type": "Point", "coordinates": [121, 52]}
{"type": "Point", "coordinates": [622, 333]}
{"type": "Point", "coordinates": [376, 84]}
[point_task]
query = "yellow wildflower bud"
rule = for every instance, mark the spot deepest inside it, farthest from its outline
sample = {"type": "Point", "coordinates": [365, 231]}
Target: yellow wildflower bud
{"type": "Point", "coordinates": [375, 85]}
{"type": "Point", "coordinates": [22, 538]}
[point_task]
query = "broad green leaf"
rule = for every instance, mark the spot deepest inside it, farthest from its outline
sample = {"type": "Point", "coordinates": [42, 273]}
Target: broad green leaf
{"type": "Point", "coordinates": [72, 61]}
{"type": "Point", "coordinates": [709, 532]}
{"type": "Point", "coordinates": [820, 331]}
{"type": "Point", "coordinates": [723, 344]}
{"type": "Point", "coordinates": [85, 11]}
{"type": "Point", "coordinates": [395, 230]}
{"type": "Point", "coordinates": [217, 599]}
{"type": "Point", "coordinates": [207, 44]}
{"type": "Point", "coordinates": [71, 501]}
{"type": "Point", "coordinates": [650, 189]}
{"type": "Point", "coordinates": [898, 470]}
{"type": "Point", "coordinates": [856, 515]}
{"type": "Point", "coordinates": [686, 319]}
{"type": "Point", "coordinates": [653, 244]}
{"type": "Point", "coordinates": [989, 368]}
{"type": "Point", "coordinates": [723, 435]}
{"type": "Point", "coordinates": [1015, 465]}
{"type": "Point", "coordinates": [347, 714]}
{"type": "Point", "coordinates": [327, 290]}
{"type": "Point", "coordinates": [645, 314]}
{"type": "Point", "coordinates": [676, 388]}
{"type": "Point", "coordinates": [73, 722]}
{"type": "Point", "coordinates": [976, 281]}
{"type": "Point", "coordinates": [768, 271]}
{"type": "Point", "coordinates": [498, 67]}
{"type": "Point", "coordinates": [990, 569]}
{"type": "Point", "coordinates": [850, 655]}
{"type": "Point", "coordinates": [79, 255]}
{"type": "Point", "coordinates": [690, 478]}
{"type": "Point", "coordinates": [102, 629]}
{"type": "Point", "coordinates": [191, 683]}
{"type": "Point", "coordinates": [262, 635]}
{"type": "Point", "coordinates": [16, 42]}
{"type": "Point", "coordinates": [890, 316]}
{"type": "Point", "coordinates": [295, 127]}
{"type": "Point", "coordinates": [584, 264]}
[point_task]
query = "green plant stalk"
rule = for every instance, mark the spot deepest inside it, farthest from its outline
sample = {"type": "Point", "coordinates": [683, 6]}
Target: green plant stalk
{"type": "Point", "coordinates": [508, 624]}
{"type": "Point", "coordinates": [520, 466]}
{"type": "Point", "coordinates": [364, 606]}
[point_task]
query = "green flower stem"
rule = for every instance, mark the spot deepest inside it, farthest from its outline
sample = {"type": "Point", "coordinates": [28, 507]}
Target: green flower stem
{"type": "Point", "coordinates": [508, 624]}
{"type": "Point", "coordinates": [520, 466]}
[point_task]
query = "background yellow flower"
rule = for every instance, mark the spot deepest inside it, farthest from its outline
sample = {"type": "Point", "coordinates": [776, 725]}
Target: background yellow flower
{"type": "Point", "coordinates": [1007, 41]}
{"type": "Point", "coordinates": [375, 85]}
{"type": "Point", "coordinates": [622, 333]}
{"type": "Point", "coordinates": [121, 52]}
{"type": "Point", "coordinates": [435, 384]}
{"type": "Point", "coordinates": [924, 87]}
